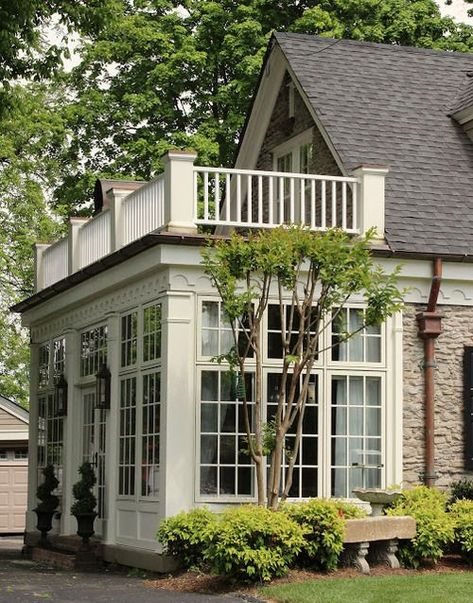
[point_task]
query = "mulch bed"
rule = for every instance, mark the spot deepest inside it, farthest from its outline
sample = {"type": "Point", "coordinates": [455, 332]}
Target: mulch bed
{"type": "Point", "coordinates": [196, 582]}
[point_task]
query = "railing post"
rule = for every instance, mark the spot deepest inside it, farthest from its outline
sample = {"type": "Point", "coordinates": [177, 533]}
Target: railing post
{"type": "Point", "coordinates": [179, 191]}
{"type": "Point", "coordinates": [39, 249]}
{"type": "Point", "coordinates": [117, 233]}
{"type": "Point", "coordinates": [73, 255]}
{"type": "Point", "coordinates": [371, 200]}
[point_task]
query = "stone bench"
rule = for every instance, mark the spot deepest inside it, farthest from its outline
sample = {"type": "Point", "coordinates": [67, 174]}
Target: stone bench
{"type": "Point", "coordinates": [374, 540]}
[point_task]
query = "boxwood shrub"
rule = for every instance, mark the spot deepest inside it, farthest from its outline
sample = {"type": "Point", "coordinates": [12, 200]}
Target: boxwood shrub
{"type": "Point", "coordinates": [461, 490]}
{"type": "Point", "coordinates": [252, 543]}
{"type": "Point", "coordinates": [462, 515]}
{"type": "Point", "coordinates": [434, 531]}
{"type": "Point", "coordinates": [324, 525]}
{"type": "Point", "coordinates": [185, 536]}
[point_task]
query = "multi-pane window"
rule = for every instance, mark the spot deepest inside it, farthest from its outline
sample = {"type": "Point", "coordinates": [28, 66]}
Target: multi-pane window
{"type": "Point", "coordinates": [305, 474]}
{"type": "Point", "coordinates": [59, 358]}
{"type": "Point", "coordinates": [291, 322]}
{"type": "Point", "coordinates": [151, 411]}
{"type": "Point", "coordinates": [364, 346]}
{"type": "Point", "coordinates": [93, 350]}
{"type": "Point", "coordinates": [356, 433]}
{"type": "Point", "coordinates": [129, 339]}
{"type": "Point", "coordinates": [152, 333]}
{"type": "Point", "coordinates": [216, 331]}
{"type": "Point", "coordinates": [127, 437]}
{"type": "Point", "coordinates": [50, 435]}
{"type": "Point", "coordinates": [225, 466]}
{"type": "Point", "coordinates": [43, 365]}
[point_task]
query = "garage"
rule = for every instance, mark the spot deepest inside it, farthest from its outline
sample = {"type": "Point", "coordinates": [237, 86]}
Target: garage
{"type": "Point", "coordinates": [13, 466]}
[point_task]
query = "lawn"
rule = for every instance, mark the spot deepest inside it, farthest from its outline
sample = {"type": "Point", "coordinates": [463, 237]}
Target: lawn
{"type": "Point", "coordinates": [454, 587]}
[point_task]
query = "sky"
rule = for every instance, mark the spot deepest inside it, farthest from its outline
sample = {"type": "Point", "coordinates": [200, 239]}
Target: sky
{"type": "Point", "coordinates": [458, 9]}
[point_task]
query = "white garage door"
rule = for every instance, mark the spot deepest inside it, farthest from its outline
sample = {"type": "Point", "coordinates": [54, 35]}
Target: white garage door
{"type": "Point", "coordinates": [13, 491]}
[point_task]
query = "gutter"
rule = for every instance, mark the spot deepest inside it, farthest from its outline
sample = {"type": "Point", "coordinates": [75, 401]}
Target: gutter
{"type": "Point", "coordinates": [429, 325]}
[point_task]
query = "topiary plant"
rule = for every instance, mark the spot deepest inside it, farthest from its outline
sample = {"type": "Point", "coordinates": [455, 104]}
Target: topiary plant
{"type": "Point", "coordinates": [44, 493]}
{"type": "Point", "coordinates": [82, 490]}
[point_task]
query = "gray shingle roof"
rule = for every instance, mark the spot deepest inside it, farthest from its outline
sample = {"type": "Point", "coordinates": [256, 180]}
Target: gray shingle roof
{"type": "Point", "coordinates": [390, 105]}
{"type": "Point", "coordinates": [464, 99]}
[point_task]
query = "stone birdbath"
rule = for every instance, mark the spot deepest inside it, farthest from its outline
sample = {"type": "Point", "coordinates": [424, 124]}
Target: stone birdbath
{"type": "Point", "coordinates": [378, 498]}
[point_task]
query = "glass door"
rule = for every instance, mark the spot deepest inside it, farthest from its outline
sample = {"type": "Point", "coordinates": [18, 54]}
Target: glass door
{"type": "Point", "coordinates": [94, 429]}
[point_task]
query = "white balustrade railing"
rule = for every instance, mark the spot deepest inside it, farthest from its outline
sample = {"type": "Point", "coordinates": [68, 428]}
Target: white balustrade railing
{"type": "Point", "coordinates": [55, 262]}
{"type": "Point", "coordinates": [143, 210]}
{"type": "Point", "coordinates": [259, 199]}
{"type": "Point", "coordinates": [94, 239]}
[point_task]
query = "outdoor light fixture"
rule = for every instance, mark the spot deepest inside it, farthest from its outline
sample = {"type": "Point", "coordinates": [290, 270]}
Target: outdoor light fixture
{"type": "Point", "coordinates": [61, 396]}
{"type": "Point", "coordinates": [102, 400]}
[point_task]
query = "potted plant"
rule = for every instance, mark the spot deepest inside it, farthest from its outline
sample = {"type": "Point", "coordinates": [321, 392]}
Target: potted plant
{"type": "Point", "coordinates": [85, 502]}
{"type": "Point", "coordinates": [48, 505]}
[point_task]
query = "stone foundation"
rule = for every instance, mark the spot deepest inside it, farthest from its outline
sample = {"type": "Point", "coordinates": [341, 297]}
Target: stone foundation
{"type": "Point", "coordinates": [457, 332]}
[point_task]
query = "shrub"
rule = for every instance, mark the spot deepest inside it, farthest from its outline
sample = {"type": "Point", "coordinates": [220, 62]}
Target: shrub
{"type": "Point", "coordinates": [185, 536]}
{"type": "Point", "coordinates": [44, 493]}
{"type": "Point", "coordinates": [323, 523]}
{"type": "Point", "coordinates": [85, 500]}
{"type": "Point", "coordinates": [434, 529]}
{"type": "Point", "coordinates": [461, 490]}
{"type": "Point", "coordinates": [462, 515]}
{"type": "Point", "coordinates": [254, 543]}
{"type": "Point", "coordinates": [350, 511]}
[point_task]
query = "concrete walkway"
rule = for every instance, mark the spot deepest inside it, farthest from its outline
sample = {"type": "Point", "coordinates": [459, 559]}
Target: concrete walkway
{"type": "Point", "coordinates": [24, 581]}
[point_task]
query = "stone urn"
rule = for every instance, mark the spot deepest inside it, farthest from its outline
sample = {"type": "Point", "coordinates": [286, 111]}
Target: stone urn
{"type": "Point", "coordinates": [378, 498]}
{"type": "Point", "coordinates": [44, 523]}
{"type": "Point", "coordinates": [85, 528]}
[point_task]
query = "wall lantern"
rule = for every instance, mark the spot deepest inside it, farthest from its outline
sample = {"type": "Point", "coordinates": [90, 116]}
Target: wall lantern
{"type": "Point", "coordinates": [103, 377]}
{"type": "Point", "coordinates": [61, 396]}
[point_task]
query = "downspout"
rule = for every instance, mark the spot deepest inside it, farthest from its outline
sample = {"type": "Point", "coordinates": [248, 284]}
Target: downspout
{"type": "Point", "coordinates": [430, 327]}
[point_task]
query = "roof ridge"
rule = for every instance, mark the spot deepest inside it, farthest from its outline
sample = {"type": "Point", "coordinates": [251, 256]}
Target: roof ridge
{"type": "Point", "coordinates": [391, 47]}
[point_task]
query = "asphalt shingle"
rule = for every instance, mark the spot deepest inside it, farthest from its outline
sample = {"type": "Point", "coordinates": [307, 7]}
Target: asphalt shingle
{"type": "Point", "coordinates": [390, 105]}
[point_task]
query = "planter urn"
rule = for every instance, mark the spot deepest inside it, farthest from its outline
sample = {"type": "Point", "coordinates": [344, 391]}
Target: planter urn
{"type": "Point", "coordinates": [85, 528]}
{"type": "Point", "coordinates": [44, 523]}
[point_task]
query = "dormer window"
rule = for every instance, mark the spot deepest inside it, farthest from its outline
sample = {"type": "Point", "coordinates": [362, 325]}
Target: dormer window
{"type": "Point", "coordinates": [295, 155]}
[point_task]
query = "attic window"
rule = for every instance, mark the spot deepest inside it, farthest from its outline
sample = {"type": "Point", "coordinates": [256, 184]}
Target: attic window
{"type": "Point", "coordinates": [290, 88]}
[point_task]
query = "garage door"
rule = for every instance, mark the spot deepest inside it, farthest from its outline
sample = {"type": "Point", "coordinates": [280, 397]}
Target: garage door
{"type": "Point", "coordinates": [13, 492]}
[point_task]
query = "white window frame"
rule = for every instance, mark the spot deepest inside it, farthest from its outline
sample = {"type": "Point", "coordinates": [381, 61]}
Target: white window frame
{"type": "Point", "coordinates": [292, 145]}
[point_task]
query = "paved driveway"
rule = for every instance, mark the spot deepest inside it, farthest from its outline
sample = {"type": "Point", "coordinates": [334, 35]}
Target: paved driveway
{"type": "Point", "coordinates": [23, 581]}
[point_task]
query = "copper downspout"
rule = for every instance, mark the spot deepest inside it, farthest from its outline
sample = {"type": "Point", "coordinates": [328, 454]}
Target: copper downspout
{"type": "Point", "coordinates": [430, 327]}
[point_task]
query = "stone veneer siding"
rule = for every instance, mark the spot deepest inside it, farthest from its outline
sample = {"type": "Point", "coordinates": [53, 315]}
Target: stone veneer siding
{"type": "Point", "coordinates": [281, 128]}
{"type": "Point", "coordinates": [457, 331]}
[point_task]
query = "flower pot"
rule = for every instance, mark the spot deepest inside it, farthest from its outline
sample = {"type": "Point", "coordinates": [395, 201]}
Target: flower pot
{"type": "Point", "coordinates": [85, 527]}
{"type": "Point", "coordinates": [44, 523]}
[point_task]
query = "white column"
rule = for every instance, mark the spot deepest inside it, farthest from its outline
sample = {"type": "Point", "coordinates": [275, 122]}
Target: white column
{"type": "Point", "coordinates": [179, 191]}
{"type": "Point", "coordinates": [72, 431]}
{"type": "Point", "coordinates": [73, 243]}
{"type": "Point", "coordinates": [371, 200]}
{"type": "Point", "coordinates": [117, 235]}
{"type": "Point", "coordinates": [33, 440]}
{"type": "Point", "coordinates": [111, 447]}
{"type": "Point", "coordinates": [39, 249]}
{"type": "Point", "coordinates": [178, 408]}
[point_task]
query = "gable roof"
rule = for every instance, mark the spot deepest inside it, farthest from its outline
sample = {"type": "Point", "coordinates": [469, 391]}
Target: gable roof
{"type": "Point", "coordinates": [389, 105]}
{"type": "Point", "coordinates": [12, 408]}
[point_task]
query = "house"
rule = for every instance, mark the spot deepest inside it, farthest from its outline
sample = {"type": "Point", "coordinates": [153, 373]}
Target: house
{"type": "Point", "coordinates": [340, 133]}
{"type": "Point", "coordinates": [13, 466]}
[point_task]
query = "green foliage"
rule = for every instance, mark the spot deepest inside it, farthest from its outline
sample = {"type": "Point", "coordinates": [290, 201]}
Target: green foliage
{"type": "Point", "coordinates": [252, 543]}
{"type": "Point", "coordinates": [323, 523]}
{"type": "Point", "coordinates": [350, 511]}
{"type": "Point", "coordinates": [85, 500]}
{"type": "Point", "coordinates": [462, 514]}
{"type": "Point", "coordinates": [185, 536]}
{"type": "Point", "coordinates": [435, 527]}
{"type": "Point", "coordinates": [461, 490]}
{"type": "Point", "coordinates": [44, 492]}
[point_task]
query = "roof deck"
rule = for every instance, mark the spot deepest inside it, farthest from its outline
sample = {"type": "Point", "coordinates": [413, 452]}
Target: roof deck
{"type": "Point", "coordinates": [187, 198]}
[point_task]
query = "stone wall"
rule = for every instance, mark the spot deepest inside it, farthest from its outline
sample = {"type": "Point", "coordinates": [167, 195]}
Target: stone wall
{"type": "Point", "coordinates": [457, 331]}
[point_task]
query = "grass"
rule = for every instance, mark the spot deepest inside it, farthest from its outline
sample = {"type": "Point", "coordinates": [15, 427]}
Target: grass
{"type": "Point", "coordinates": [452, 587]}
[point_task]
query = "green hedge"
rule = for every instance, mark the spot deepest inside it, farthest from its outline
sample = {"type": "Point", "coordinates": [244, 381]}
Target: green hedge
{"type": "Point", "coordinates": [254, 543]}
{"type": "Point", "coordinates": [435, 527]}
{"type": "Point", "coordinates": [462, 514]}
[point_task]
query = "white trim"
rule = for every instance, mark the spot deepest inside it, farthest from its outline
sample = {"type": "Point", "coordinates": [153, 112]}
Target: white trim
{"type": "Point", "coordinates": [13, 436]}
{"type": "Point", "coordinates": [292, 145]}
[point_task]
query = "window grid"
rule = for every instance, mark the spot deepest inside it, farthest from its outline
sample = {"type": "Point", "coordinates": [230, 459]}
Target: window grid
{"type": "Point", "coordinates": [152, 333]}
{"type": "Point", "coordinates": [356, 453]}
{"type": "Point", "coordinates": [50, 437]}
{"type": "Point", "coordinates": [150, 434]}
{"type": "Point", "coordinates": [93, 353]}
{"type": "Point", "coordinates": [59, 358]}
{"type": "Point", "coordinates": [129, 339]}
{"type": "Point", "coordinates": [43, 365]}
{"type": "Point", "coordinates": [127, 438]}
{"type": "Point", "coordinates": [364, 347]}
{"type": "Point", "coordinates": [273, 332]}
{"type": "Point", "coordinates": [225, 467]}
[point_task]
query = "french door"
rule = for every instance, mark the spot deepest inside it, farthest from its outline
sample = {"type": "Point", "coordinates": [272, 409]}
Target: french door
{"type": "Point", "coordinates": [94, 428]}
